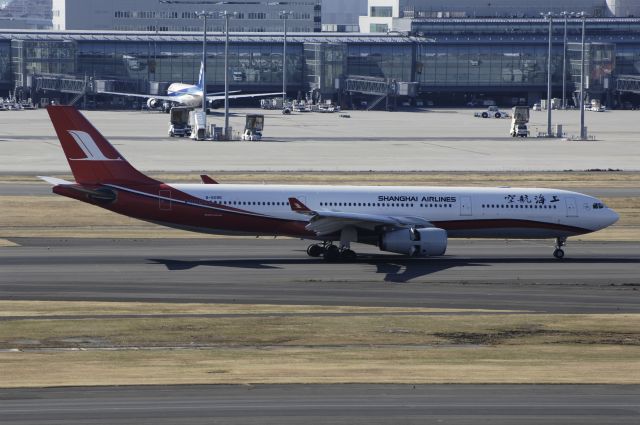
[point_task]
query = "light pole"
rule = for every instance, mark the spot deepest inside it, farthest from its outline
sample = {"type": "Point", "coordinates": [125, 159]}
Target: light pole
{"type": "Point", "coordinates": [204, 15]}
{"type": "Point", "coordinates": [284, 15]}
{"type": "Point", "coordinates": [564, 59]}
{"type": "Point", "coordinates": [226, 15]}
{"type": "Point", "coordinates": [549, 16]}
{"type": "Point", "coordinates": [583, 135]}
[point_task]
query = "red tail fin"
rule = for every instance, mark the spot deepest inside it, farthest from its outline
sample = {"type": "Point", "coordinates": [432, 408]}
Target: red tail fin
{"type": "Point", "coordinates": [93, 160]}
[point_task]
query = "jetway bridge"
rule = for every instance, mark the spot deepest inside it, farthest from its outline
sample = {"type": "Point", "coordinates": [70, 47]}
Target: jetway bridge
{"type": "Point", "coordinates": [385, 89]}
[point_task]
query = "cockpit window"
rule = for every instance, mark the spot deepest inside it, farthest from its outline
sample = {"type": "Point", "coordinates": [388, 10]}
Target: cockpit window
{"type": "Point", "coordinates": [598, 206]}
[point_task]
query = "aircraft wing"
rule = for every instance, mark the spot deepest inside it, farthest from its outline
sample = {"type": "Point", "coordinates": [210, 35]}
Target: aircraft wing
{"type": "Point", "coordinates": [327, 222]}
{"type": "Point", "coordinates": [143, 96]}
{"type": "Point", "coordinates": [222, 93]}
{"type": "Point", "coordinates": [239, 96]}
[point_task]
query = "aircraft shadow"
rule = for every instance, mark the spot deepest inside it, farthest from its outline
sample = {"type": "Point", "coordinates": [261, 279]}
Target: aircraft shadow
{"type": "Point", "coordinates": [397, 270]}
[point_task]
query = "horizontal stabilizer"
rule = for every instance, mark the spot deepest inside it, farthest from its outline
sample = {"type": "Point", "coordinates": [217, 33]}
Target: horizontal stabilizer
{"type": "Point", "coordinates": [55, 181]}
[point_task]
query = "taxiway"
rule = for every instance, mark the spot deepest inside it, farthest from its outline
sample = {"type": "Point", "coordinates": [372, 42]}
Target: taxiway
{"type": "Point", "coordinates": [514, 275]}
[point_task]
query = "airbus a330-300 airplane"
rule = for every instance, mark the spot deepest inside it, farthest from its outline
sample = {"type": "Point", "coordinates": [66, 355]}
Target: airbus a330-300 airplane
{"type": "Point", "coordinates": [414, 221]}
{"type": "Point", "coordinates": [187, 95]}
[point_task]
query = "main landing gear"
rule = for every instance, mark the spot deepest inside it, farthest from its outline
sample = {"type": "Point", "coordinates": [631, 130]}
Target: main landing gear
{"type": "Point", "coordinates": [559, 252]}
{"type": "Point", "coordinates": [330, 252]}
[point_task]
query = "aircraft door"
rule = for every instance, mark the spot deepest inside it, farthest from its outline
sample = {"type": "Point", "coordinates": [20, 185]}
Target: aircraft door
{"type": "Point", "coordinates": [465, 206]}
{"type": "Point", "coordinates": [572, 209]}
{"type": "Point", "coordinates": [164, 200]}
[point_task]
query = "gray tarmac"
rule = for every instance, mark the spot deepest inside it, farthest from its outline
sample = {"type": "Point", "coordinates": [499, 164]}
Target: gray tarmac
{"type": "Point", "coordinates": [324, 404]}
{"type": "Point", "coordinates": [417, 140]}
{"type": "Point", "coordinates": [595, 277]}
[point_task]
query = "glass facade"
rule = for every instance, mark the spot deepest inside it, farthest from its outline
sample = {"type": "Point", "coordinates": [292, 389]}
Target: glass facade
{"type": "Point", "coordinates": [381, 11]}
{"type": "Point", "coordinates": [617, 27]}
{"type": "Point", "coordinates": [464, 57]}
{"type": "Point", "coordinates": [6, 79]}
{"type": "Point", "coordinates": [324, 63]}
{"type": "Point", "coordinates": [29, 57]}
{"type": "Point", "coordinates": [472, 65]}
{"type": "Point", "coordinates": [600, 61]}
{"type": "Point", "coordinates": [250, 65]}
{"type": "Point", "coordinates": [394, 61]}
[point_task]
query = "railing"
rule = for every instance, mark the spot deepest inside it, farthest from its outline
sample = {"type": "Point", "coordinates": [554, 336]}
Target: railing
{"type": "Point", "coordinates": [370, 85]}
{"type": "Point", "coordinates": [628, 83]}
{"type": "Point", "coordinates": [60, 83]}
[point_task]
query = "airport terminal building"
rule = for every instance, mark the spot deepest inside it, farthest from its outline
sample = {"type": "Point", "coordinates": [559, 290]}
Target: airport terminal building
{"type": "Point", "coordinates": [450, 61]}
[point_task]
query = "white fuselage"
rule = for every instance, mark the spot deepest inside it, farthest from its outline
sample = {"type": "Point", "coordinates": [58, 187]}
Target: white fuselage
{"type": "Point", "coordinates": [185, 94]}
{"type": "Point", "coordinates": [462, 211]}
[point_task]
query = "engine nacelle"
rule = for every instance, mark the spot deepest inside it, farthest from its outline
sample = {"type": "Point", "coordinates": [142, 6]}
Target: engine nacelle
{"type": "Point", "coordinates": [153, 103]}
{"type": "Point", "coordinates": [415, 242]}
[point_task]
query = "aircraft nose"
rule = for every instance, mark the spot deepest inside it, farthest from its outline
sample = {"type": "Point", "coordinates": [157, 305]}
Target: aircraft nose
{"type": "Point", "coordinates": [612, 217]}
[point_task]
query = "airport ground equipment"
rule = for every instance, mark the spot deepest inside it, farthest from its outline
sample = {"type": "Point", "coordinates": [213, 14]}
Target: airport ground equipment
{"type": "Point", "coordinates": [254, 124]}
{"type": "Point", "coordinates": [179, 121]}
{"type": "Point", "coordinates": [596, 106]}
{"type": "Point", "coordinates": [519, 121]}
{"type": "Point", "coordinates": [197, 123]}
{"type": "Point", "coordinates": [491, 112]}
{"type": "Point", "coordinates": [273, 103]}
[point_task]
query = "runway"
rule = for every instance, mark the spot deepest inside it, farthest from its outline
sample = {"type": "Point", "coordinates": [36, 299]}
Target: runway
{"type": "Point", "coordinates": [516, 275]}
{"type": "Point", "coordinates": [324, 404]}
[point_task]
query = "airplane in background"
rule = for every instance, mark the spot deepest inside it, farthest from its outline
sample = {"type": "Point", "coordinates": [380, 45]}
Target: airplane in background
{"type": "Point", "coordinates": [413, 221]}
{"type": "Point", "coordinates": [187, 95]}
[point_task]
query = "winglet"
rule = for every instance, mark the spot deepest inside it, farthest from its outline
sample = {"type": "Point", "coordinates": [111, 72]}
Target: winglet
{"type": "Point", "coordinates": [299, 207]}
{"type": "Point", "coordinates": [207, 180]}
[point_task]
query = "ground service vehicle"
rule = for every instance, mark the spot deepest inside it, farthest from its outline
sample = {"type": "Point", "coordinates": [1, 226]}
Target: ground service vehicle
{"type": "Point", "coordinates": [179, 121]}
{"type": "Point", "coordinates": [492, 112]}
{"type": "Point", "coordinates": [519, 121]}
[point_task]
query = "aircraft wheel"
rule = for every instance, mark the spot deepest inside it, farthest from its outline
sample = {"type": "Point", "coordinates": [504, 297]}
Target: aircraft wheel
{"type": "Point", "coordinates": [348, 255]}
{"type": "Point", "coordinates": [315, 250]}
{"type": "Point", "coordinates": [558, 253]}
{"type": "Point", "coordinates": [332, 254]}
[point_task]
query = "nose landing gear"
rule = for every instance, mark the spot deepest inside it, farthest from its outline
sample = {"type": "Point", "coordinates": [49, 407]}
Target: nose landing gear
{"type": "Point", "coordinates": [559, 252]}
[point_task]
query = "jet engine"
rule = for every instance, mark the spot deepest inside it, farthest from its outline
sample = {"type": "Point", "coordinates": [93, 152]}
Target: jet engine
{"type": "Point", "coordinates": [415, 242]}
{"type": "Point", "coordinates": [153, 103]}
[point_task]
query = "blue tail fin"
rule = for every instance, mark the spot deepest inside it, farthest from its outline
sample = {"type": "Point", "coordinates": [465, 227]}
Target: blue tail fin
{"type": "Point", "coordinates": [200, 84]}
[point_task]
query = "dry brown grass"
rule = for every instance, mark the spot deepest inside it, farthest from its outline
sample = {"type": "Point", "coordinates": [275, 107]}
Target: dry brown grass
{"type": "Point", "coordinates": [52, 309]}
{"type": "Point", "coordinates": [316, 348]}
{"type": "Point", "coordinates": [322, 329]}
{"type": "Point", "coordinates": [531, 364]}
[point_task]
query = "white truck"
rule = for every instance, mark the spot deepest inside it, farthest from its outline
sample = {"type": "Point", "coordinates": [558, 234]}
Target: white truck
{"type": "Point", "coordinates": [179, 121]}
{"type": "Point", "coordinates": [491, 112]}
{"type": "Point", "coordinates": [519, 121]}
